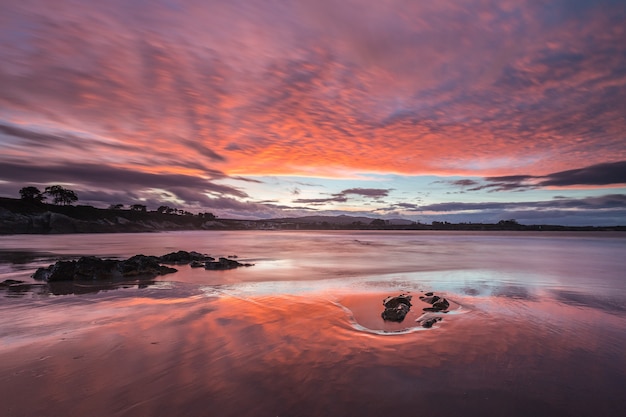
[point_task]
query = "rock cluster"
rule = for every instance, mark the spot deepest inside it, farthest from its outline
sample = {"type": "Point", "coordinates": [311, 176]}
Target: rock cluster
{"type": "Point", "coordinates": [396, 307]}
{"type": "Point", "coordinates": [198, 260]}
{"type": "Point", "coordinates": [184, 257]}
{"type": "Point", "coordinates": [438, 303]}
{"type": "Point", "coordinates": [428, 322]}
{"type": "Point", "coordinates": [224, 263]}
{"type": "Point", "coordinates": [94, 268]}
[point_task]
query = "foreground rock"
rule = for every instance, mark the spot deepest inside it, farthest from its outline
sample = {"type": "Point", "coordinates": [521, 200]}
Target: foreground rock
{"type": "Point", "coordinates": [396, 307]}
{"type": "Point", "coordinates": [94, 268]}
{"type": "Point", "coordinates": [438, 303]}
{"type": "Point", "coordinates": [427, 322]}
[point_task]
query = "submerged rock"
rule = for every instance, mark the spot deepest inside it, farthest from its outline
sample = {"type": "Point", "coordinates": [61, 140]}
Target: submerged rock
{"type": "Point", "coordinates": [396, 307]}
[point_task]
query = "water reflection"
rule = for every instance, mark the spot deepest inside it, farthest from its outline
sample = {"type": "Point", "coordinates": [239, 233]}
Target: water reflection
{"type": "Point", "coordinates": [300, 334]}
{"type": "Point", "coordinates": [20, 289]}
{"type": "Point", "coordinates": [301, 355]}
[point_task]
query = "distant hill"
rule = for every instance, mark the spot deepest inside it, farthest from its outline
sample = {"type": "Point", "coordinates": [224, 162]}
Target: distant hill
{"type": "Point", "coordinates": [24, 217]}
{"type": "Point", "coordinates": [341, 220]}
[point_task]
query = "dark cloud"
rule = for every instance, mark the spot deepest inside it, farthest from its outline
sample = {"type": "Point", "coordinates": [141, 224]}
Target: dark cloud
{"type": "Point", "coordinates": [190, 188]}
{"type": "Point", "coordinates": [321, 201]}
{"type": "Point", "coordinates": [599, 174]}
{"type": "Point", "coordinates": [342, 197]}
{"type": "Point", "coordinates": [610, 173]}
{"type": "Point", "coordinates": [36, 139]}
{"type": "Point", "coordinates": [464, 183]}
{"type": "Point", "coordinates": [366, 192]}
{"type": "Point", "coordinates": [244, 179]}
{"type": "Point", "coordinates": [606, 202]}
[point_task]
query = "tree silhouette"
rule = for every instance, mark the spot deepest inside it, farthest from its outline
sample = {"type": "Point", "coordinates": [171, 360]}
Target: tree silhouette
{"type": "Point", "coordinates": [138, 207]}
{"type": "Point", "coordinates": [61, 195]}
{"type": "Point", "coordinates": [32, 194]}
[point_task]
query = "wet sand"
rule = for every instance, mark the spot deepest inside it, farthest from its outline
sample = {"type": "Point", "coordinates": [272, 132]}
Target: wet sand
{"type": "Point", "coordinates": [537, 326]}
{"type": "Point", "coordinates": [180, 349]}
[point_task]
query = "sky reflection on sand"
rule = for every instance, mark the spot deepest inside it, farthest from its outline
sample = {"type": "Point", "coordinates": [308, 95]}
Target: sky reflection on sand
{"type": "Point", "coordinates": [539, 335]}
{"type": "Point", "coordinates": [138, 353]}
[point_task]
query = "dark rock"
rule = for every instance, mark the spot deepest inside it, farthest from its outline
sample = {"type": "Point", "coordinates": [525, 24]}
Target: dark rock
{"type": "Point", "coordinates": [197, 264]}
{"type": "Point", "coordinates": [393, 301]}
{"type": "Point", "coordinates": [429, 321]}
{"type": "Point", "coordinates": [430, 299]}
{"type": "Point", "coordinates": [184, 257]}
{"type": "Point", "coordinates": [144, 266]}
{"type": "Point", "coordinates": [396, 307]}
{"type": "Point", "coordinates": [397, 313]}
{"type": "Point", "coordinates": [60, 271]}
{"type": "Point", "coordinates": [441, 304]}
{"type": "Point", "coordinates": [93, 268]}
{"type": "Point", "coordinates": [224, 264]}
{"type": "Point", "coordinates": [434, 310]}
{"type": "Point", "coordinates": [428, 294]}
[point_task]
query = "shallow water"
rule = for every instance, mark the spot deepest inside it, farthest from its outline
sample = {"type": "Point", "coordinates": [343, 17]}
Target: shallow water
{"type": "Point", "coordinates": [537, 326]}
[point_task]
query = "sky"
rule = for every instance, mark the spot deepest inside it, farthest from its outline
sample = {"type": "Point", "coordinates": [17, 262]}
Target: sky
{"type": "Point", "coordinates": [460, 111]}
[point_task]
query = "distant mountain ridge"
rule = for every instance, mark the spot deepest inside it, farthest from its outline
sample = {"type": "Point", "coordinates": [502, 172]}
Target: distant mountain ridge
{"type": "Point", "coordinates": [341, 220]}
{"type": "Point", "coordinates": [24, 217]}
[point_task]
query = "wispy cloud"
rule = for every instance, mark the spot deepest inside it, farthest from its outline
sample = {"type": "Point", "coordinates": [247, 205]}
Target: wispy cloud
{"type": "Point", "coordinates": [187, 93]}
{"type": "Point", "coordinates": [343, 196]}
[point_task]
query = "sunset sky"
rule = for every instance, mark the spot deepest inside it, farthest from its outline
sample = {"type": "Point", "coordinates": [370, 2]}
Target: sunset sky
{"type": "Point", "coordinates": [461, 111]}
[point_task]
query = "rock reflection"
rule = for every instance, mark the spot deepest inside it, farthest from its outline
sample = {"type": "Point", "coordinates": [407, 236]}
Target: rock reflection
{"type": "Point", "coordinates": [19, 289]}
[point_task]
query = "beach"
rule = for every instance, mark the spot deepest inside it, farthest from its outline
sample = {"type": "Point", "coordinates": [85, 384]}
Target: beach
{"type": "Point", "coordinates": [536, 326]}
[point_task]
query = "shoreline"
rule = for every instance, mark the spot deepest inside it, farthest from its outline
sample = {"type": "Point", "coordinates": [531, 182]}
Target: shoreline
{"type": "Point", "coordinates": [19, 217]}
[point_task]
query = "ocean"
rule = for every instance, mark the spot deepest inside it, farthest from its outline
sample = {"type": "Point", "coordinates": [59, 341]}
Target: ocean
{"type": "Point", "coordinates": [536, 326]}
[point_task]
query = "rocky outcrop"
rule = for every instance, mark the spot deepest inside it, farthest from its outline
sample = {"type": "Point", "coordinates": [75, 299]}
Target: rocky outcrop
{"type": "Point", "coordinates": [94, 268]}
{"type": "Point", "coordinates": [184, 257]}
{"type": "Point", "coordinates": [396, 307]}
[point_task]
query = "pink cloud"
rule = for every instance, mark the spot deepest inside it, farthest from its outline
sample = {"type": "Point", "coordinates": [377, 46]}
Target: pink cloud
{"type": "Point", "coordinates": [472, 87]}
